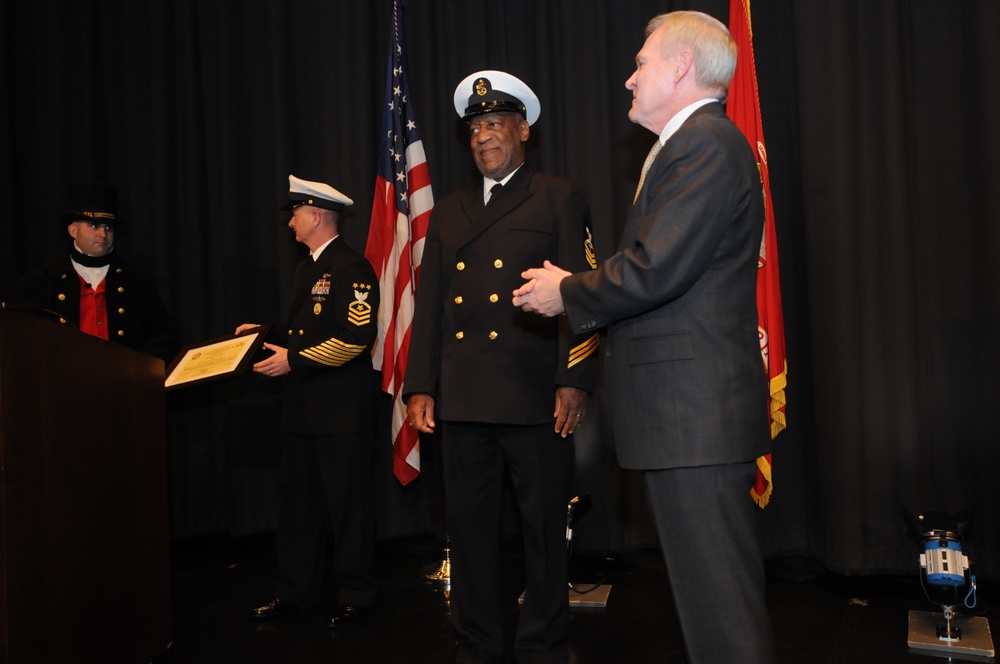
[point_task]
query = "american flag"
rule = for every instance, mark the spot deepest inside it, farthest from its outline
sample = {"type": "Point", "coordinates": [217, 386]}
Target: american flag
{"type": "Point", "coordinates": [400, 213]}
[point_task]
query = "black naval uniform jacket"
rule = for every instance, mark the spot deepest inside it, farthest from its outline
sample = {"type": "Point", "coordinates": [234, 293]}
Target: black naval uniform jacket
{"type": "Point", "coordinates": [480, 357]}
{"type": "Point", "coordinates": [332, 325]}
{"type": "Point", "coordinates": [137, 317]}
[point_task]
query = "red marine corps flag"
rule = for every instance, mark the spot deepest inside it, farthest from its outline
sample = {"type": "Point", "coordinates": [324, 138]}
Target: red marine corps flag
{"type": "Point", "coordinates": [743, 108]}
{"type": "Point", "coordinates": [400, 212]}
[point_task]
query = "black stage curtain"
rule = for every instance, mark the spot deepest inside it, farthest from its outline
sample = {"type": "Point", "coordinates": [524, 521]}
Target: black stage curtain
{"type": "Point", "coordinates": [884, 165]}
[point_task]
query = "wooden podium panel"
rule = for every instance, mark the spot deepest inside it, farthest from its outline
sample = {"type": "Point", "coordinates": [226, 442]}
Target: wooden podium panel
{"type": "Point", "coordinates": [84, 535]}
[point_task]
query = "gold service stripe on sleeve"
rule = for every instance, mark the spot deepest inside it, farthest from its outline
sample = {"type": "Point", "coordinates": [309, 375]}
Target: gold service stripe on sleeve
{"type": "Point", "coordinates": [332, 352]}
{"type": "Point", "coordinates": [584, 350]}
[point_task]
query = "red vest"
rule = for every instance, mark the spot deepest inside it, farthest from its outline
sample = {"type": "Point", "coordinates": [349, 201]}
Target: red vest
{"type": "Point", "coordinates": [93, 311]}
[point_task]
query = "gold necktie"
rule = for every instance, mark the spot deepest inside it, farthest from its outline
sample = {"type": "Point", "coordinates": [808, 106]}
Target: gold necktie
{"type": "Point", "coordinates": [653, 151]}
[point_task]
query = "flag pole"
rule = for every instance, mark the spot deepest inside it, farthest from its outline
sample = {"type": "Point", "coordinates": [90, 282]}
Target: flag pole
{"type": "Point", "coordinates": [400, 215]}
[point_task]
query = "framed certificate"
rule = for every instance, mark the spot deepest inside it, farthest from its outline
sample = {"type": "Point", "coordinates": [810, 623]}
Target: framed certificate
{"type": "Point", "coordinates": [214, 359]}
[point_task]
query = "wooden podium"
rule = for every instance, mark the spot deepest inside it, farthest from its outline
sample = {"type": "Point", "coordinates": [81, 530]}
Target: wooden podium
{"type": "Point", "coordinates": [84, 535]}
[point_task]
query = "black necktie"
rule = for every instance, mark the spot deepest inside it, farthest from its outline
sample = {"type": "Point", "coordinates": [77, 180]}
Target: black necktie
{"type": "Point", "coordinates": [494, 190]}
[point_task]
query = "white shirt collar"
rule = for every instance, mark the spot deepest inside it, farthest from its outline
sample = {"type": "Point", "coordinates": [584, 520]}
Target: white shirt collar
{"type": "Point", "coordinates": [319, 250]}
{"type": "Point", "coordinates": [675, 122]}
{"type": "Point", "coordinates": [489, 182]}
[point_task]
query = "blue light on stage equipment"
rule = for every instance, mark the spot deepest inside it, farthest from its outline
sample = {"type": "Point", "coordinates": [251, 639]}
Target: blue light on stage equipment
{"type": "Point", "coordinates": [946, 579]}
{"type": "Point", "coordinates": [943, 560]}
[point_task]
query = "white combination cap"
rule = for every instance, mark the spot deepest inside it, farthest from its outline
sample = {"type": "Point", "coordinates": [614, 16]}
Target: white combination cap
{"type": "Point", "coordinates": [491, 91]}
{"type": "Point", "coordinates": [317, 194]}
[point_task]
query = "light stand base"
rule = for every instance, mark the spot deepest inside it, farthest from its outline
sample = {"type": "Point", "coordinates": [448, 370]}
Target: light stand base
{"type": "Point", "coordinates": [975, 644]}
{"type": "Point", "coordinates": [441, 572]}
{"type": "Point", "coordinates": [593, 598]}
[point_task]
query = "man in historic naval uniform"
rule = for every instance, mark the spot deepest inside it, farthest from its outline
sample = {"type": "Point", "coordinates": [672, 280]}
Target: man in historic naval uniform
{"type": "Point", "coordinates": [92, 287]}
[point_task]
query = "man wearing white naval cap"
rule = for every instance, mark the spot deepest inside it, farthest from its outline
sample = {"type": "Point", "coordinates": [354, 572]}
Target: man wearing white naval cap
{"type": "Point", "coordinates": [327, 416]}
{"type": "Point", "coordinates": [509, 389]}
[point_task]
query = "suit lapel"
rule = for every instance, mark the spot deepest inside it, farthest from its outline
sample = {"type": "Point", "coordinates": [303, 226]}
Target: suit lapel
{"type": "Point", "coordinates": [707, 109]}
{"type": "Point", "coordinates": [664, 156]}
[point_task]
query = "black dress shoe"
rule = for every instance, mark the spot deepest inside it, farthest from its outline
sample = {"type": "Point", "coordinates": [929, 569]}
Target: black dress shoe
{"type": "Point", "coordinates": [273, 608]}
{"type": "Point", "coordinates": [345, 614]}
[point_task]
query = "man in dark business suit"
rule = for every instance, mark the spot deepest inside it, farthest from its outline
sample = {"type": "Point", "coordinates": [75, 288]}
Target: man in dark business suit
{"type": "Point", "coordinates": [328, 414]}
{"type": "Point", "coordinates": [509, 388]}
{"type": "Point", "coordinates": [685, 376]}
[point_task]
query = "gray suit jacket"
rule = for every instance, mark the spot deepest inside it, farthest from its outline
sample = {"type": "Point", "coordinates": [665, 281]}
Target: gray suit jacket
{"type": "Point", "coordinates": [685, 376]}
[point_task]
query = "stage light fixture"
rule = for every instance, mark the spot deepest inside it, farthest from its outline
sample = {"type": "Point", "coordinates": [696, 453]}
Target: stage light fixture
{"type": "Point", "coordinates": [947, 580]}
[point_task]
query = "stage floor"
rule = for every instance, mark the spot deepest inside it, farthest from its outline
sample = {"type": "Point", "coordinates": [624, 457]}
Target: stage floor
{"type": "Point", "coordinates": [818, 617]}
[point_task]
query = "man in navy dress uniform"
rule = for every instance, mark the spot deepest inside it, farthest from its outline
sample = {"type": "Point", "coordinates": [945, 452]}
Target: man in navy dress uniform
{"type": "Point", "coordinates": [509, 388]}
{"type": "Point", "coordinates": [328, 414]}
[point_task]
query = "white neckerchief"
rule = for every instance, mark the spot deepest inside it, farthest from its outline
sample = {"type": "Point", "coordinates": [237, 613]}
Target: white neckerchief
{"type": "Point", "coordinates": [92, 275]}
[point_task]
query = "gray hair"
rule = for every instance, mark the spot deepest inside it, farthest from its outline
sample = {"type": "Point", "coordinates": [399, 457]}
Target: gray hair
{"type": "Point", "coordinates": [708, 39]}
